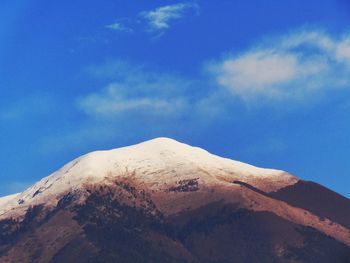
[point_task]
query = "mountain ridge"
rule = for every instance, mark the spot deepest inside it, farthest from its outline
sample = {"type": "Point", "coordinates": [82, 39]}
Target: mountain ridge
{"type": "Point", "coordinates": [165, 201]}
{"type": "Point", "coordinates": [157, 154]}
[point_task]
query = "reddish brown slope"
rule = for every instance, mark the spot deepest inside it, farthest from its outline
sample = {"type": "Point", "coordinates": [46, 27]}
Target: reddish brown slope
{"type": "Point", "coordinates": [317, 199]}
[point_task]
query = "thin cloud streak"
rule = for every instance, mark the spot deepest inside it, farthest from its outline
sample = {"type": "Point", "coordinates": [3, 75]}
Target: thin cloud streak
{"type": "Point", "coordinates": [113, 100]}
{"type": "Point", "coordinates": [135, 90]}
{"type": "Point", "coordinates": [161, 17]}
{"type": "Point", "coordinates": [118, 26]}
{"type": "Point", "coordinates": [157, 20]}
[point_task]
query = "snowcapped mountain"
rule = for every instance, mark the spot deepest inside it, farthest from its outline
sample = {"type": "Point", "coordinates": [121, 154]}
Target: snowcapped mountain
{"type": "Point", "coordinates": [165, 201]}
{"type": "Point", "coordinates": [158, 164]}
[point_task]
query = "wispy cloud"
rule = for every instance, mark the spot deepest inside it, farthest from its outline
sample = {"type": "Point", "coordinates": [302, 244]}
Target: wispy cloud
{"type": "Point", "coordinates": [155, 21]}
{"type": "Point", "coordinates": [134, 98]}
{"type": "Point", "coordinates": [134, 89]}
{"type": "Point", "coordinates": [114, 100]}
{"type": "Point", "coordinates": [294, 66]}
{"type": "Point", "coordinates": [161, 17]}
{"type": "Point", "coordinates": [119, 26]}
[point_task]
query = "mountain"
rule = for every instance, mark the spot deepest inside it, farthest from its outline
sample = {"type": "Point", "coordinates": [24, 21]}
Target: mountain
{"type": "Point", "coordinates": [165, 201]}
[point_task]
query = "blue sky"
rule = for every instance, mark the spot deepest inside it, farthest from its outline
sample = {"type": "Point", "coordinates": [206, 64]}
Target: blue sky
{"type": "Point", "coordinates": [265, 82]}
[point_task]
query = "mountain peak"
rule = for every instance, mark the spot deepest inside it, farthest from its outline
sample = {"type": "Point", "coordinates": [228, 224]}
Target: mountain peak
{"type": "Point", "coordinates": [158, 164]}
{"type": "Point", "coordinates": [163, 140]}
{"type": "Point", "coordinates": [160, 144]}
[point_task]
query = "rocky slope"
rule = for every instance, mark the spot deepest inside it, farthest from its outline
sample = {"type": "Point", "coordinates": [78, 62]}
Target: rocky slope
{"type": "Point", "coordinates": [164, 201]}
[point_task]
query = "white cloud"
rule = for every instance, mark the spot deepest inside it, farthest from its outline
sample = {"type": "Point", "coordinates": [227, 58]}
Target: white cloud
{"type": "Point", "coordinates": [268, 68]}
{"type": "Point", "coordinates": [135, 90]}
{"type": "Point", "coordinates": [156, 20]}
{"type": "Point", "coordinates": [343, 50]}
{"type": "Point", "coordinates": [118, 26]}
{"type": "Point", "coordinates": [113, 100]}
{"type": "Point", "coordinates": [160, 18]}
{"type": "Point", "coordinates": [136, 100]}
{"type": "Point", "coordinates": [295, 66]}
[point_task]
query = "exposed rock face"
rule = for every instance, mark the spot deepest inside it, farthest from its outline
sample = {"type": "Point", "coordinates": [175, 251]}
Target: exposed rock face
{"type": "Point", "coordinates": [163, 201]}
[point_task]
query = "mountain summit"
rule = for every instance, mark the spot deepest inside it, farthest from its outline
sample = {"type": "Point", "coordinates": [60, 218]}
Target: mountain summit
{"type": "Point", "coordinates": [159, 163]}
{"type": "Point", "coordinates": [165, 201]}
